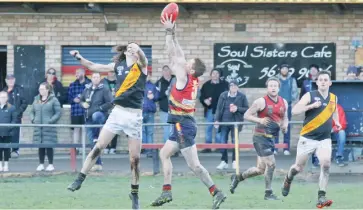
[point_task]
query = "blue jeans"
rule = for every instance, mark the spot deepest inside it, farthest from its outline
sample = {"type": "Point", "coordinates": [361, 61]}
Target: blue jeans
{"type": "Point", "coordinates": [148, 131]}
{"type": "Point", "coordinates": [287, 134]}
{"type": "Point", "coordinates": [167, 128]}
{"type": "Point", "coordinates": [341, 138]}
{"type": "Point", "coordinates": [98, 118]}
{"type": "Point", "coordinates": [209, 129]}
{"type": "Point", "coordinates": [225, 130]}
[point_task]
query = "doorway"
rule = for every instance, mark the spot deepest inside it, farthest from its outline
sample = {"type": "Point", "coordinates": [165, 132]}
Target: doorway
{"type": "Point", "coordinates": [3, 60]}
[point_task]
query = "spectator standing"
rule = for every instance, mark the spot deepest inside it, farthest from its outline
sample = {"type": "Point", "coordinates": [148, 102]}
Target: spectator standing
{"type": "Point", "coordinates": [74, 94]}
{"type": "Point", "coordinates": [209, 95]}
{"type": "Point", "coordinates": [289, 92]}
{"type": "Point", "coordinates": [58, 89]}
{"type": "Point", "coordinates": [340, 136]}
{"type": "Point", "coordinates": [96, 99]}
{"type": "Point", "coordinates": [46, 109]}
{"type": "Point", "coordinates": [231, 107]}
{"type": "Point", "coordinates": [151, 96]}
{"type": "Point", "coordinates": [110, 83]}
{"type": "Point", "coordinates": [352, 72]}
{"type": "Point", "coordinates": [307, 84]}
{"type": "Point", "coordinates": [162, 86]}
{"type": "Point", "coordinates": [15, 98]}
{"type": "Point", "coordinates": [8, 115]}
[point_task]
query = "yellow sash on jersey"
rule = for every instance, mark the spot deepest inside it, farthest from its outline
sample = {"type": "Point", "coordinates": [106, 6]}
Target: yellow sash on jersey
{"type": "Point", "coordinates": [321, 118]}
{"type": "Point", "coordinates": [130, 79]}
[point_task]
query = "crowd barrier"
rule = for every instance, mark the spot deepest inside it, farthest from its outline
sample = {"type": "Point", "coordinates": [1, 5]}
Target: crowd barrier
{"type": "Point", "coordinates": [156, 147]}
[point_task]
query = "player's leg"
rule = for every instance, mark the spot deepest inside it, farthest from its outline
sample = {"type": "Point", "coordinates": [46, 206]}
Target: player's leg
{"type": "Point", "coordinates": [270, 164]}
{"type": "Point", "coordinates": [130, 122]}
{"type": "Point", "coordinates": [169, 149]}
{"type": "Point", "coordinates": [264, 148]}
{"type": "Point", "coordinates": [190, 154]}
{"type": "Point", "coordinates": [134, 152]}
{"type": "Point", "coordinates": [305, 148]}
{"type": "Point", "coordinates": [103, 140]}
{"type": "Point", "coordinates": [251, 172]}
{"type": "Point", "coordinates": [323, 152]}
{"type": "Point", "coordinates": [114, 125]}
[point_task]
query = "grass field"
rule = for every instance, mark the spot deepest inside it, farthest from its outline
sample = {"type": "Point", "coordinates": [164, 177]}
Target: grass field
{"type": "Point", "coordinates": [111, 192]}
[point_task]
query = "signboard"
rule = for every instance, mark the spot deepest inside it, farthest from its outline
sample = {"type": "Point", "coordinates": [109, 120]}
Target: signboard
{"type": "Point", "coordinates": [253, 64]}
{"type": "Point", "coordinates": [189, 1]}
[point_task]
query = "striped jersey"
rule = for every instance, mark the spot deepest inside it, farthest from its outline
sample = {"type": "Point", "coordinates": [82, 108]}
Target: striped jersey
{"type": "Point", "coordinates": [319, 121]}
{"type": "Point", "coordinates": [130, 85]}
{"type": "Point", "coordinates": [182, 102]}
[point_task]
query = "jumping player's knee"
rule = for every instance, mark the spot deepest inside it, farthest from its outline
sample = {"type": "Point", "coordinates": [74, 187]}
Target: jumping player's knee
{"type": "Point", "coordinates": [260, 170]}
{"type": "Point", "coordinates": [163, 154]}
{"type": "Point", "coordinates": [325, 165]}
{"type": "Point", "coordinates": [196, 168]}
{"type": "Point", "coordinates": [134, 157]}
{"type": "Point", "coordinates": [271, 165]}
{"type": "Point", "coordinates": [297, 168]}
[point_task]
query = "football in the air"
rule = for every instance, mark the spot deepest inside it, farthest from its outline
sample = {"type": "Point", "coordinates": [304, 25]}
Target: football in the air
{"type": "Point", "coordinates": [170, 9]}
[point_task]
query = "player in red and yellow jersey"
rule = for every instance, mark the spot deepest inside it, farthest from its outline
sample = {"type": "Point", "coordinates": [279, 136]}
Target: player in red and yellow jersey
{"type": "Point", "coordinates": [182, 102]}
{"type": "Point", "coordinates": [271, 112]}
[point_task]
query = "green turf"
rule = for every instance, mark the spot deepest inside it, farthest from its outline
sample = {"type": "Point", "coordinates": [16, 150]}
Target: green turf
{"type": "Point", "coordinates": [111, 192]}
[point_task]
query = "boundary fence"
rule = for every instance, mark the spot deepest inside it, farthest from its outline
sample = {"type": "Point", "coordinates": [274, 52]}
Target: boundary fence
{"type": "Point", "coordinates": [156, 147]}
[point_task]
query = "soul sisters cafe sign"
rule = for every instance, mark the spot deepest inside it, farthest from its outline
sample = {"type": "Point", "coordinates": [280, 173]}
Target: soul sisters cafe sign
{"type": "Point", "coordinates": [252, 64]}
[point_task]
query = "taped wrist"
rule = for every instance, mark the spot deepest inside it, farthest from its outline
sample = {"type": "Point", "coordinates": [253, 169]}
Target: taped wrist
{"type": "Point", "coordinates": [170, 31]}
{"type": "Point", "coordinates": [75, 55]}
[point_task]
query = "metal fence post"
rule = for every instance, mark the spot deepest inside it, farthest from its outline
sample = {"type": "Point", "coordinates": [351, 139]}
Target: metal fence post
{"type": "Point", "coordinates": [83, 144]}
{"type": "Point", "coordinates": [236, 147]}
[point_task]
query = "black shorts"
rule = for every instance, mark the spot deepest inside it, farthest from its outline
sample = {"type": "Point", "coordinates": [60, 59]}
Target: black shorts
{"type": "Point", "coordinates": [188, 131]}
{"type": "Point", "coordinates": [264, 146]}
{"type": "Point", "coordinates": [77, 120]}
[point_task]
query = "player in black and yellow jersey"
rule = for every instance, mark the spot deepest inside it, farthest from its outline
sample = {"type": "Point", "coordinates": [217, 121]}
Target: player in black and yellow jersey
{"type": "Point", "coordinates": [130, 66]}
{"type": "Point", "coordinates": [315, 136]}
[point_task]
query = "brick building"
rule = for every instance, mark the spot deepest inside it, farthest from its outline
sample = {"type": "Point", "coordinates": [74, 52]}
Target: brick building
{"type": "Point", "coordinates": [199, 27]}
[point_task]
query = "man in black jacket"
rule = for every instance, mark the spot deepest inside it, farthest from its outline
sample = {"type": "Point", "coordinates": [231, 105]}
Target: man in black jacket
{"type": "Point", "coordinates": [17, 99]}
{"type": "Point", "coordinates": [96, 99]}
{"type": "Point", "coordinates": [231, 107]}
{"type": "Point", "coordinates": [209, 94]}
{"type": "Point", "coordinates": [162, 85]}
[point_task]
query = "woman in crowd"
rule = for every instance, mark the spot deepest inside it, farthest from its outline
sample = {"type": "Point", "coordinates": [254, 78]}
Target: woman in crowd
{"type": "Point", "coordinates": [8, 115]}
{"type": "Point", "coordinates": [46, 109]}
{"type": "Point", "coordinates": [57, 87]}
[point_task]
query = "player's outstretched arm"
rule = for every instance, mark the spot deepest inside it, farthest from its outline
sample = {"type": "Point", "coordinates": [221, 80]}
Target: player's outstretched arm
{"type": "Point", "coordinates": [90, 65]}
{"type": "Point", "coordinates": [175, 53]}
{"type": "Point", "coordinates": [251, 113]}
{"type": "Point", "coordinates": [302, 106]}
{"type": "Point", "coordinates": [179, 50]}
